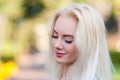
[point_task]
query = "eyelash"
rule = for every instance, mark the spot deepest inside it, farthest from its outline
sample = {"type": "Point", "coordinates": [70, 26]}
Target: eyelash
{"type": "Point", "coordinates": [68, 41]}
{"type": "Point", "coordinates": [54, 36]}
{"type": "Point", "coordinates": [65, 40]}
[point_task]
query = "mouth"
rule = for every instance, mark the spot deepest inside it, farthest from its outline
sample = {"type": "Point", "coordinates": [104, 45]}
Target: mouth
{"type": "Point", "coordinates": [59, 55]}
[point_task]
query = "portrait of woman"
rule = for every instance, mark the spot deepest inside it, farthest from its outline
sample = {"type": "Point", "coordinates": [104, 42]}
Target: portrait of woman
{"type": "Point", "coordinates": [78, 45]}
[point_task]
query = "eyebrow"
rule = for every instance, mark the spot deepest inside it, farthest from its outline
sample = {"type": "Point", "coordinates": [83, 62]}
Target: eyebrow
{"type": "Point", "coordinates": [66, 35]}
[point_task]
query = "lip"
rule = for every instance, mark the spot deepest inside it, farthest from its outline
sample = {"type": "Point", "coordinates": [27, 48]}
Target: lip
{"type": "Point", "coordinates": [59, 55]}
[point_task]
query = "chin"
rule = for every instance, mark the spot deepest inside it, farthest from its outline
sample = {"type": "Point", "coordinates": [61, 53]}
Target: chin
{"type": "Point", "coordinates": [61, 61]}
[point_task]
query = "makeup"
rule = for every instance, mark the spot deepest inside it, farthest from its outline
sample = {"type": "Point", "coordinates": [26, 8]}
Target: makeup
{"type": "Point", "coordinates": [59, 55]}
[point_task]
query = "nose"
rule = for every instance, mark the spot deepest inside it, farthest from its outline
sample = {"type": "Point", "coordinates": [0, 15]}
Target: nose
{"type": "Point", "coordinates": [58, 45]}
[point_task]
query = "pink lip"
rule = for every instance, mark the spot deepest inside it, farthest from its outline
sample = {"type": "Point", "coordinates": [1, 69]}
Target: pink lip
{"type": "Point", "coordinates": [59, 54]}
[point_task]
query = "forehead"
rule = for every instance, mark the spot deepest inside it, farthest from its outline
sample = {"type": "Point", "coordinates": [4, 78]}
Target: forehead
{"type": "Point", "coordinates": [65, 24]}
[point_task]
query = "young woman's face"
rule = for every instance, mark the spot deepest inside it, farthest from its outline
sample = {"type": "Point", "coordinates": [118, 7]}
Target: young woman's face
{"type": "Point", "coordinates": [63, 40]}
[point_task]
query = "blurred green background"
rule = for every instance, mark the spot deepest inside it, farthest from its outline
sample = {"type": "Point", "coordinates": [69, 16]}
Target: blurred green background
{"type": "Point", "coordinates": [23, 31]}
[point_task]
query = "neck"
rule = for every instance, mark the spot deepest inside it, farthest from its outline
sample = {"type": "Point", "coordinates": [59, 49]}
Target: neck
{"type": "Point", "coordinates": [66, 68]}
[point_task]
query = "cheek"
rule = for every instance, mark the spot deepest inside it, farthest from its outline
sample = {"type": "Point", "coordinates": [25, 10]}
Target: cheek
{"type": "Point", "coordinates": [53, 41]}
{"type": "Point", "coordinates": [73, 55]}
{"type": "Point", "coordinates": [72, 48]}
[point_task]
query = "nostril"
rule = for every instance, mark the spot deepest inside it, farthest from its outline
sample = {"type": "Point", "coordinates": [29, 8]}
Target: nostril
{"type": "Point", "coordinates": [58, 48]}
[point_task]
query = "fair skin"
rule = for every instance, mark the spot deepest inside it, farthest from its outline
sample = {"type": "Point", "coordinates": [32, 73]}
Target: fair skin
{"type": "Point", "coordinates": [63, 39]}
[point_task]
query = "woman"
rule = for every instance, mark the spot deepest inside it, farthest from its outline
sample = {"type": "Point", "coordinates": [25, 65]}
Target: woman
{"type": "Point", "coordinates": [78, 46]}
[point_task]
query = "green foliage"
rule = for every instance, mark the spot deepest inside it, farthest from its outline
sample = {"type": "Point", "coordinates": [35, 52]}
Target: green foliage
{"type": "Point", "coordinates": [110, 23]}
{"type": "Point", "coordinates": [9, 51]}
{"type": "Point", "coordinates": [81, 1]}
{"type": "Point", "coordinates": [116, 7]}
{"type": "Point", "coordinates": [116, 76]}
{"type": "Point", "coordinates": [115, 56]}
{"type": "Point", "coordinates": [32, 7]}
{"type": "Point", "coordinates": [6, 58]}
{"type": "Point", "coordinates": [9, 47]}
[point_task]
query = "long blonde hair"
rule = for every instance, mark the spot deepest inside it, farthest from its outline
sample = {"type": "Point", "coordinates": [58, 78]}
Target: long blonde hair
{"type": "Point", "coordinates": [90, 38]}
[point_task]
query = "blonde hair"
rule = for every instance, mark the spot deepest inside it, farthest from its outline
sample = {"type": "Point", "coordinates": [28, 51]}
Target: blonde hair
{"type": "Point", "coordinates": [90, 39]}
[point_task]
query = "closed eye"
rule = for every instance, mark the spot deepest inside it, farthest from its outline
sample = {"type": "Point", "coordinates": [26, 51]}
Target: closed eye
{"type": "Point", "coordinates": [54, 36]}
{"type": "Point", "coordinates": [68, 41]}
